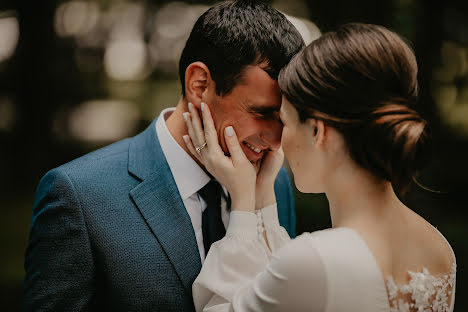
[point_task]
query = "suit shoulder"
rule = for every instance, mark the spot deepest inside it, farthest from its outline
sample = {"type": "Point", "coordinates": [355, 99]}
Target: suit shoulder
{"type": "Point", "coordinates": [109, 164]}
{"type": "Point", "coordinates": [283, 183]}
{"type": "Point", "coordinates": [104, 171]}
{"type": "Point", "coordinates": [100, 157]}
{"type": "Point", "coordinates": [283, 178]}
{"type": "Point", "coordinates": [285, 201]}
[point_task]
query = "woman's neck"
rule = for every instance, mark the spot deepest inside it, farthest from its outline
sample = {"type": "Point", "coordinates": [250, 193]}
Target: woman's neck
{"type": "Point", "coordinates": [356, 197]}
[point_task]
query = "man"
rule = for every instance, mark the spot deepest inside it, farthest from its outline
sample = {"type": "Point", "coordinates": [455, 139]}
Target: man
{"type": "Point", "coordinates": [124, 228]}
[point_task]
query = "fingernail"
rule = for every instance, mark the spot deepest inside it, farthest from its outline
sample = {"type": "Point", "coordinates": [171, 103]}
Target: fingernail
{"type": "Point", "coordinates": [185, 116]}
{"type": "Point", "coordinates": [185, 137]}
{"type": "Point", "coordinates": [202, 106]}
{"type": "Point", "coordinates": [190, 106]}
{"type": "Point", "coordinates": [229, 131]}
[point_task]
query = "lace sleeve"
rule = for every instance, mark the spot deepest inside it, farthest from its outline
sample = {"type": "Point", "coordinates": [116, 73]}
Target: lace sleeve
{"type": "Point", "coordinates": [424, 292]}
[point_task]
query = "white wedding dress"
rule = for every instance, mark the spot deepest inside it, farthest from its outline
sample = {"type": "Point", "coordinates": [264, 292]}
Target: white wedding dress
{"type": "Point", "coordinates": [330, 271]}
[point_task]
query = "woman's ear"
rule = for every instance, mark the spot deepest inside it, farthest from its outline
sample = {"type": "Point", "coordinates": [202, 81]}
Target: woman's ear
{"type": "Point", "coordinates": [321, 133]}
{"type": "Point", "coordinates": [317, 131]}
{"type": "Point", "coordinates": [198, 82]}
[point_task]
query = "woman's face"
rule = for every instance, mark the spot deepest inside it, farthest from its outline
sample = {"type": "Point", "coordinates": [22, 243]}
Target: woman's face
{"type": "Point", "coordinates": [305, 160]}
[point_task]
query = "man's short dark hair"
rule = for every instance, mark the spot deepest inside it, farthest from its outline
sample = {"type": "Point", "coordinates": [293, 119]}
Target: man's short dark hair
{"type": "Point", "coordinates": [235, 34]}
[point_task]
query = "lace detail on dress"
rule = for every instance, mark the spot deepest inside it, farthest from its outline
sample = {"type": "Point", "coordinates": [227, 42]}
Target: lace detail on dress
{"type": "Point", "coordinates": [425, 292]}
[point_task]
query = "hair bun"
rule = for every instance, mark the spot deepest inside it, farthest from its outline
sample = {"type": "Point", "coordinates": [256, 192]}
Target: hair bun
{"type": "Point", "coordinates": [392, 143]}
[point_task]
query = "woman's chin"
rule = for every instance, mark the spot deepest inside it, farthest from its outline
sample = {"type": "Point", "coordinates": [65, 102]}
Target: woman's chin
{"type": "Point", "coordinates": [306, 187]}
{"type": "Point", "coordinates": [302, 189]}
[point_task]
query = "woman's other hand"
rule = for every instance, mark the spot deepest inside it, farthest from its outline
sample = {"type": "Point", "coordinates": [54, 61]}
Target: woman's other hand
{"type": "Point", "coordinates": [269, 169]}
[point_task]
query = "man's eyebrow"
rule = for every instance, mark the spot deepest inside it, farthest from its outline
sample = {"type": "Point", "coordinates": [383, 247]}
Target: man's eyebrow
{"type": "Point", "coordinates": [265, 109]}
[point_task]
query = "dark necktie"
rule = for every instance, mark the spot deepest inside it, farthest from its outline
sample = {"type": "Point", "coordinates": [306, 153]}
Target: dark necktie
{"type": "Point", "coordinates": [212, 224]}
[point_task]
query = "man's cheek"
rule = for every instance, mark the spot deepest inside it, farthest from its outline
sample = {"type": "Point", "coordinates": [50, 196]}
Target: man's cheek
{"type": "Point", "coordinates": [249, 124]}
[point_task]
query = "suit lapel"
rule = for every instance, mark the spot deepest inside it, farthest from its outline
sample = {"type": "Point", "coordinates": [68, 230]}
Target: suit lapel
{"type": "Point", "coordinates": [160, 204]}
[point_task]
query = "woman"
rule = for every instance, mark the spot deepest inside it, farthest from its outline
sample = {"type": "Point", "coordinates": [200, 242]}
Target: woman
{"type": "Point", "coordinates": [350, 131]}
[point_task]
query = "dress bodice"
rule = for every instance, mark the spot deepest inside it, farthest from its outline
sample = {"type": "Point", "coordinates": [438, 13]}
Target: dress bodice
{"type": "Point", "coordinates": [332, 270]}
{"type": "Point", "coordinates": [423, 292]}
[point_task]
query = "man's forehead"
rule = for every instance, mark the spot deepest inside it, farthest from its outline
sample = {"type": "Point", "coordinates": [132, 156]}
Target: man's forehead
{"type": "Point", "coordinates": [257, 88]}
{"type": "Point", "coordinates": [256, 74]}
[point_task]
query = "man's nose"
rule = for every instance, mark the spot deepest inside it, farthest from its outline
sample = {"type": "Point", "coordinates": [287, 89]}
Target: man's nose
{"type": "Point", "coordinates": [272, 135]}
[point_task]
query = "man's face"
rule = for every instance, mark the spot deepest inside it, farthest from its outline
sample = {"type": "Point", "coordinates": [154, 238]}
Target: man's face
{"type": "Point", "coordinates": [252, 108]}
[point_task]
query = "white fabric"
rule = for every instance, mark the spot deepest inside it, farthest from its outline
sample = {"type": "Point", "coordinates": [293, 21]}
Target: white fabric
{"type": "Point", "coordinates": [189, 178]}
{"type": "Point", "coordinates": [328, 271]}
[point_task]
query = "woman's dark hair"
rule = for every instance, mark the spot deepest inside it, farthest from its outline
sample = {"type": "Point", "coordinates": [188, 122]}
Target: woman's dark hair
{"type": "Point", "coordinates": [362, 80]}
{"type": "Point", "coordinates": [232, 35]}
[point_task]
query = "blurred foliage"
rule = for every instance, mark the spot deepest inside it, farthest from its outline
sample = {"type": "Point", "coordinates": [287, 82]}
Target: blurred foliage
{"type": "Point", "coordinates": [44, 83]}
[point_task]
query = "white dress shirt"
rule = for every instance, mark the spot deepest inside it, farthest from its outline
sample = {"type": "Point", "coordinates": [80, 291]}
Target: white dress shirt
{"type": "Point", "coordinates": [189, 178]}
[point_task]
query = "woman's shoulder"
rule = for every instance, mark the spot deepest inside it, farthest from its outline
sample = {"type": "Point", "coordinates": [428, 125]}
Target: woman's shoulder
{"type": "Point", "coordinates": [333, 245]}
{"type": "Point", "coordinates": [346, 265]}
{"type": "Point", "coordinates": [343, 251]}
{"type": "Point", "coordinates": [331, 237]}
{"type": "Point", "coordinates": [308, 248]}
{"type": "Point", "coordinates": [437, 256]}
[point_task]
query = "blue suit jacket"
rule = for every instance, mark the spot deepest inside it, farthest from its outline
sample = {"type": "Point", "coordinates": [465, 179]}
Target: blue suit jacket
{"type": "Point", "coordinates": [109, 231]}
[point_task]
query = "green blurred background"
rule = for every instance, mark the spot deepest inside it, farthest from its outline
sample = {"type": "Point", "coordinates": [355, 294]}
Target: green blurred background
{"type": "Point", "coordinates": [78, 75]}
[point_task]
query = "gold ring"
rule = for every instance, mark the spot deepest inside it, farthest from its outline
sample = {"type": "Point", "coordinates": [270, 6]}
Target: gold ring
{"type": "Point", "coordinates": [200, 148]}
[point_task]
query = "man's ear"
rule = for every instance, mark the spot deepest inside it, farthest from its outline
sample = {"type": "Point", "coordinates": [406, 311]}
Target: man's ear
{"type": "Point", "coordinates": [198, 82]}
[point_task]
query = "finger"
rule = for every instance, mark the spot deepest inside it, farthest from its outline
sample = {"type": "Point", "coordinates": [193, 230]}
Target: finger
{"type": "Point", "coordinates": [237, 154]}
{"type": "Point", "coordinates": [191, 131]}
{"type": "Point", "coordinates": [188, 123]}
{"type": "Point", "coordinates": [189, 144]}
{"type": "Point", "coordinates": [211, 135]}
{"type": "Point", "coordinates": [276, 155]}
{"type": "Point", "coordinates": [196, 125]}
{"type": "Point", "coordinates": [272, 161]}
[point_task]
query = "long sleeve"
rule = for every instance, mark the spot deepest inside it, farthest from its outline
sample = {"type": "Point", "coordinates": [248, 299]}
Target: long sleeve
{"type": "Point", "coordinates": [240, 272]}
{"type": "Point", "coordinates": [59, 264]}
{"type": "Point", "coordinates": [267, 221]}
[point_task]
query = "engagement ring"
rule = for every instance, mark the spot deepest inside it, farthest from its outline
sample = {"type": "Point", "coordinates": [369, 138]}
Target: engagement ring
{"type": "Point", "coordinates": [200, 148]}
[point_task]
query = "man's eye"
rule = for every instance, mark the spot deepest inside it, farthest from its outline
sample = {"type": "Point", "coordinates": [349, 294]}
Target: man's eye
{"type": "Point", "coordinates": [270, 115]}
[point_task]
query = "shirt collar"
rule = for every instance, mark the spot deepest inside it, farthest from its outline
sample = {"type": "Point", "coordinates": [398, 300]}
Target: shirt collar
{"type": "Point", "coordinates": [188, 175]}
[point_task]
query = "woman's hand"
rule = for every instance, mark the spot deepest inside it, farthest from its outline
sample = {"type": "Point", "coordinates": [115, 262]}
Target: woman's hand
{"type": "Point", "coordinates": [236, 173]}
{"type": "Point", "coordinates": [265, 186]}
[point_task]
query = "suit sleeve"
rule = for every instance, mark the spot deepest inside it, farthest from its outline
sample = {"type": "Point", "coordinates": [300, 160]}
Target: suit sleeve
{"type": "Point", "coordinates": [58, 261]}
{"type": "Point", "coordinates": [285, 200]}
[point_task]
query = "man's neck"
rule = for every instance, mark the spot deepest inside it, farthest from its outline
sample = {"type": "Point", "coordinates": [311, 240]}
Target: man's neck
{"type": "Point", "coordinates": [177, 127]}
